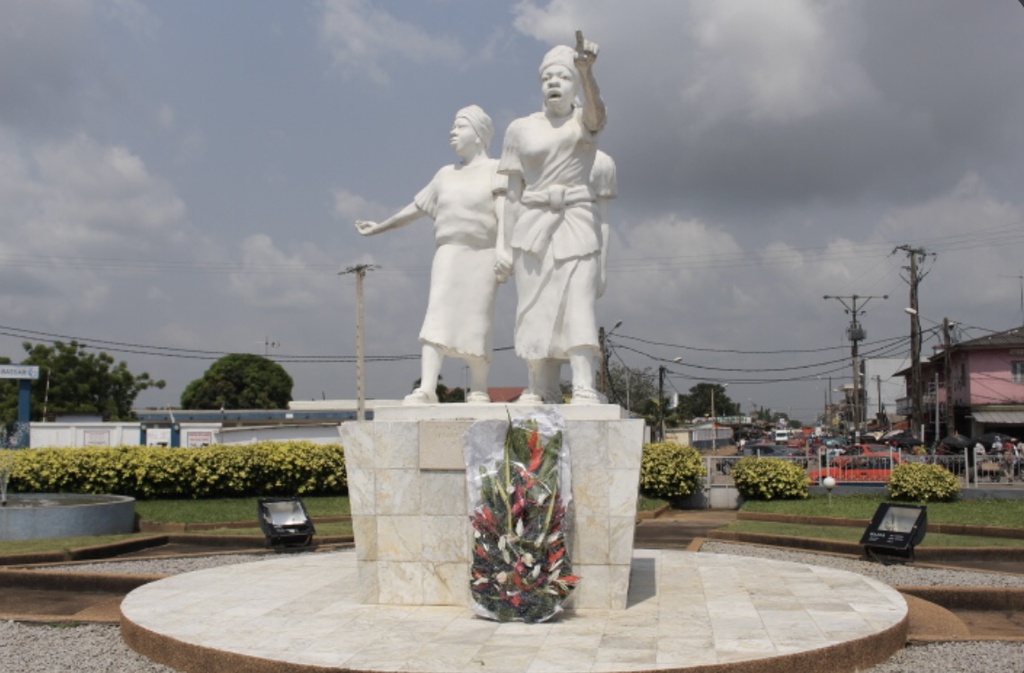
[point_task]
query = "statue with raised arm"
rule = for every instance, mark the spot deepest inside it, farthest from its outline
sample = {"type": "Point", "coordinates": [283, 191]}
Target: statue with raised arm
{"type": "Point", "coordinates": [553, 239]}
{"type": "Point", "coordinates": [467, 203]}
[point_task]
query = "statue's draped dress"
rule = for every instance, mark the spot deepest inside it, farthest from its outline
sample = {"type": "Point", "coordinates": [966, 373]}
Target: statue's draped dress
{"type": "Point", "coordinates": [460, 310]}
{"type": "Point", "coordinates": [556, 237]}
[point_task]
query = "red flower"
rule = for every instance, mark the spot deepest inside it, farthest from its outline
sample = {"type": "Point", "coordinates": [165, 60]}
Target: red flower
{"type": "Point", "coordinates": [536, 451]}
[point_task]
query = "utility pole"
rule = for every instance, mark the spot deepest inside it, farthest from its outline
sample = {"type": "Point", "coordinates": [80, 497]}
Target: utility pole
{"type": "Point", "coordinates": [855, 333]}
{"type": "Point", "coordinates": [913, 278]}
{"type": "Point", "coordinates": [602, 379]}
{"type": "Point", "coordinates": [878, 391]}
{"type": "Point", "coordinates": [360, 271]}
{"type": "Point", "coordinates": [947, 360]}
{"type": "Point", "coordinates": [661, 402]}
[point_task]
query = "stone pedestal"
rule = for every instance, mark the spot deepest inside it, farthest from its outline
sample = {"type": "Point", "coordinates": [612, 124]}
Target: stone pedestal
{"type": "Point", "coordinates": [410, 512]}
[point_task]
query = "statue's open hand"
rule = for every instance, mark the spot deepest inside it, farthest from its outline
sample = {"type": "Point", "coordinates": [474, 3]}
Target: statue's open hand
{"type": "Point", "coordinates": [366, 227]}
{"type": "Point", "coordinates": [586, 52]}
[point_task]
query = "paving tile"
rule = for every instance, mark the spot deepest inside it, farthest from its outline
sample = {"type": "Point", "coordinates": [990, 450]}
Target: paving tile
{"type": "Point", "coordinates": [687, 609]}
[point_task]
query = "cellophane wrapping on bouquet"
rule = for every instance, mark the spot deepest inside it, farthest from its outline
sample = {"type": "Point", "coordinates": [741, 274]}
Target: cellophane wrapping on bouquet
{"type": "Point", "coordinates": [519, 495]}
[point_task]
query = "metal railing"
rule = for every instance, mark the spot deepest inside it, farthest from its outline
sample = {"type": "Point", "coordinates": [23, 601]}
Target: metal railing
{"type": "Point", "coordinates": [874, 469]}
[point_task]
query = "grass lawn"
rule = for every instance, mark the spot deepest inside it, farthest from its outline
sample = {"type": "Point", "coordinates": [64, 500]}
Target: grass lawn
{"type": "Point", "coordinates": [989, 512]}
{"type": "Point", "coordinates": [848, 534]}
{"type": "Point", "coordinates": [227, 510]}
{"type": "Point", "coordinates": [646, 504]}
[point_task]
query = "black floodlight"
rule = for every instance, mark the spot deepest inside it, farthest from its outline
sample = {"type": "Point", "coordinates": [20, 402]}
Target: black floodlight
{"type": "Point", "coordinates": [285, 522]}
{"type": "Point", "coordinates": [894, 531]}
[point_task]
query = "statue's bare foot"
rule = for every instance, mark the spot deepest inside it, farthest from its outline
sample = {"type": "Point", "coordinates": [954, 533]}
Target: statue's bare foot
{"type": "Point", "coordinates": [478, 397]}
{"type": "Point", "coordinates": [530, 397]}
{"type": "Point", "coordinates": [420, 396]}
{"type": "Point", "coordinates": [587, 396]}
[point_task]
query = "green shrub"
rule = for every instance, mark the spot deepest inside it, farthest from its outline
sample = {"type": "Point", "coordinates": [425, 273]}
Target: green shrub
{"type": "Point", "coordinates": [770, 479]}
{"type": "Point", "coordinates": [219, 471]}
{"type": "Point", "coordinates": [920, 482]}
{"type": "Point", "coordinates": [669, 470]}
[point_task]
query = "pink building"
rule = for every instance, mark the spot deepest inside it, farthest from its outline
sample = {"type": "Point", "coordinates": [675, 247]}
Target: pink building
{"type": "Point", "coordinates": [987, 392]}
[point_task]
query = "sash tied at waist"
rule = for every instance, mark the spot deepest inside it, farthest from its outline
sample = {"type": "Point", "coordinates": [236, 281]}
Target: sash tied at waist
{"type": "Point", "coordinates": [557, 197]}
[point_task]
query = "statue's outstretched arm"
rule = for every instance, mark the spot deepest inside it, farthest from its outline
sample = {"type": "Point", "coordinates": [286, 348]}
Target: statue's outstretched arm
{"type": "Point", "coordinates": [405, 216]}
{"type": "Point", "coordinates": [594, 113]}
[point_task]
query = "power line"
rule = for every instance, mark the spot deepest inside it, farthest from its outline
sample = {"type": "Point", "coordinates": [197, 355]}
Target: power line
{"type": "Point", "coordinates": [185, 353]}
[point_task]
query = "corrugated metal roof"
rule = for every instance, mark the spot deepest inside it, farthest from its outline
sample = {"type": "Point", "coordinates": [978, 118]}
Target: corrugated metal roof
{"type": "Point", "coordinates": [1009, 339]}
{"type": "Point", "coordinates": [999, 417]}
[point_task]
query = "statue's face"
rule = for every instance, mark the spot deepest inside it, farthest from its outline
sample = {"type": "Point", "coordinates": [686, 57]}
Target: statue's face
{"type": "Point", "coordinates": [558, 85]}
{"type": "Point", "coordinates": [462, 137]}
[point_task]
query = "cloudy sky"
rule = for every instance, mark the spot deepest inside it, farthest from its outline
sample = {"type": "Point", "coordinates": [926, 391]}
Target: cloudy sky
{"type": "Point", "coordinates": [179, 179]}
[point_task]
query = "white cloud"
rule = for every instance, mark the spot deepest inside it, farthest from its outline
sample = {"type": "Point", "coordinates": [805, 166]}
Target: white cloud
{"type": "Point", "coordinates": [361, 38]}
{"type": "Point", "coordinates": [95, 197]}
{"type": "Point", "coordinates": [165, 117]}
{"type": "Point", "coordinates": [975, 238]}
{"type": "Point", "coordinates": [74, 213]}
{"type": "Point", "coordinates": [661, 266]}
{"type": "Point", "coordinates": [278, 279]}
{"type": "Point", "coordinates": [349, 206]}
{"type": "Point", "coordinates": [777, 62]}
{"type": "Point", "coordinates": [133, 15]}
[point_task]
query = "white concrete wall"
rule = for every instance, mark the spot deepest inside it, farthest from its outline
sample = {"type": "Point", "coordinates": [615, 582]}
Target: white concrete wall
{"type": "Point", "coordinates": [46, 435]}
{"type": "Point", "coordinates": [320, 434]}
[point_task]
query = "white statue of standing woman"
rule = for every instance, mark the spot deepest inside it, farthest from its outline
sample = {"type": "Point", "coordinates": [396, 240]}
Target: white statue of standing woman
{"type": "Point", "coordinates": [467, 203]}
{"type": "Point", "coordinates": [556, 234]}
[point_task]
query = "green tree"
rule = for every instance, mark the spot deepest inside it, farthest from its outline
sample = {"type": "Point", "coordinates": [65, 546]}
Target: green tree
{"type": "Point", "coordinates": [72, 380]}
{"type": "Point", "coordinates": [699, 401]}
{"type": "Point", "coordinates": [240, 381]}
{"type": "Point", "coordinates": [443, 392]}
{"type": "Point", "coordinates": [635, 386]}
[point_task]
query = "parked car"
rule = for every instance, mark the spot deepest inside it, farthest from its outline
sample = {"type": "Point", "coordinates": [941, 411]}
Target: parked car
{"type": "Point", "coordinates": [770, 451]}
{"type": "Point", "coordinates": [870, 468]}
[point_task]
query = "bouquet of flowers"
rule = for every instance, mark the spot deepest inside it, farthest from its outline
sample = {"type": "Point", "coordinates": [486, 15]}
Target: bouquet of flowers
{"type": "Point", "coordinates": [521, 568]}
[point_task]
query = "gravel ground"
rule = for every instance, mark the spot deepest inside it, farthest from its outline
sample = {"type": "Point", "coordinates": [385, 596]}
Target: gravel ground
{"type": "Point", "coordinates": [28, 648]}
{"type": "Point", "coordinates": [893, 575]}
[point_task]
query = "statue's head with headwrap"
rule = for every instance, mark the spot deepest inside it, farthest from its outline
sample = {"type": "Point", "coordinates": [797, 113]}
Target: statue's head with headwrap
{"type": "Point", "coordinates": [564, 56]}
{"type": "Point", "coordinates": [480, 121]}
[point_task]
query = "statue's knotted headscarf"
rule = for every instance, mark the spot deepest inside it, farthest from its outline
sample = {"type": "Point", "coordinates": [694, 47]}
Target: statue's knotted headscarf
{"type": "Point", "coordinates": [480, 122]}
{"type": "Point", "coordinates": [560, 55]}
